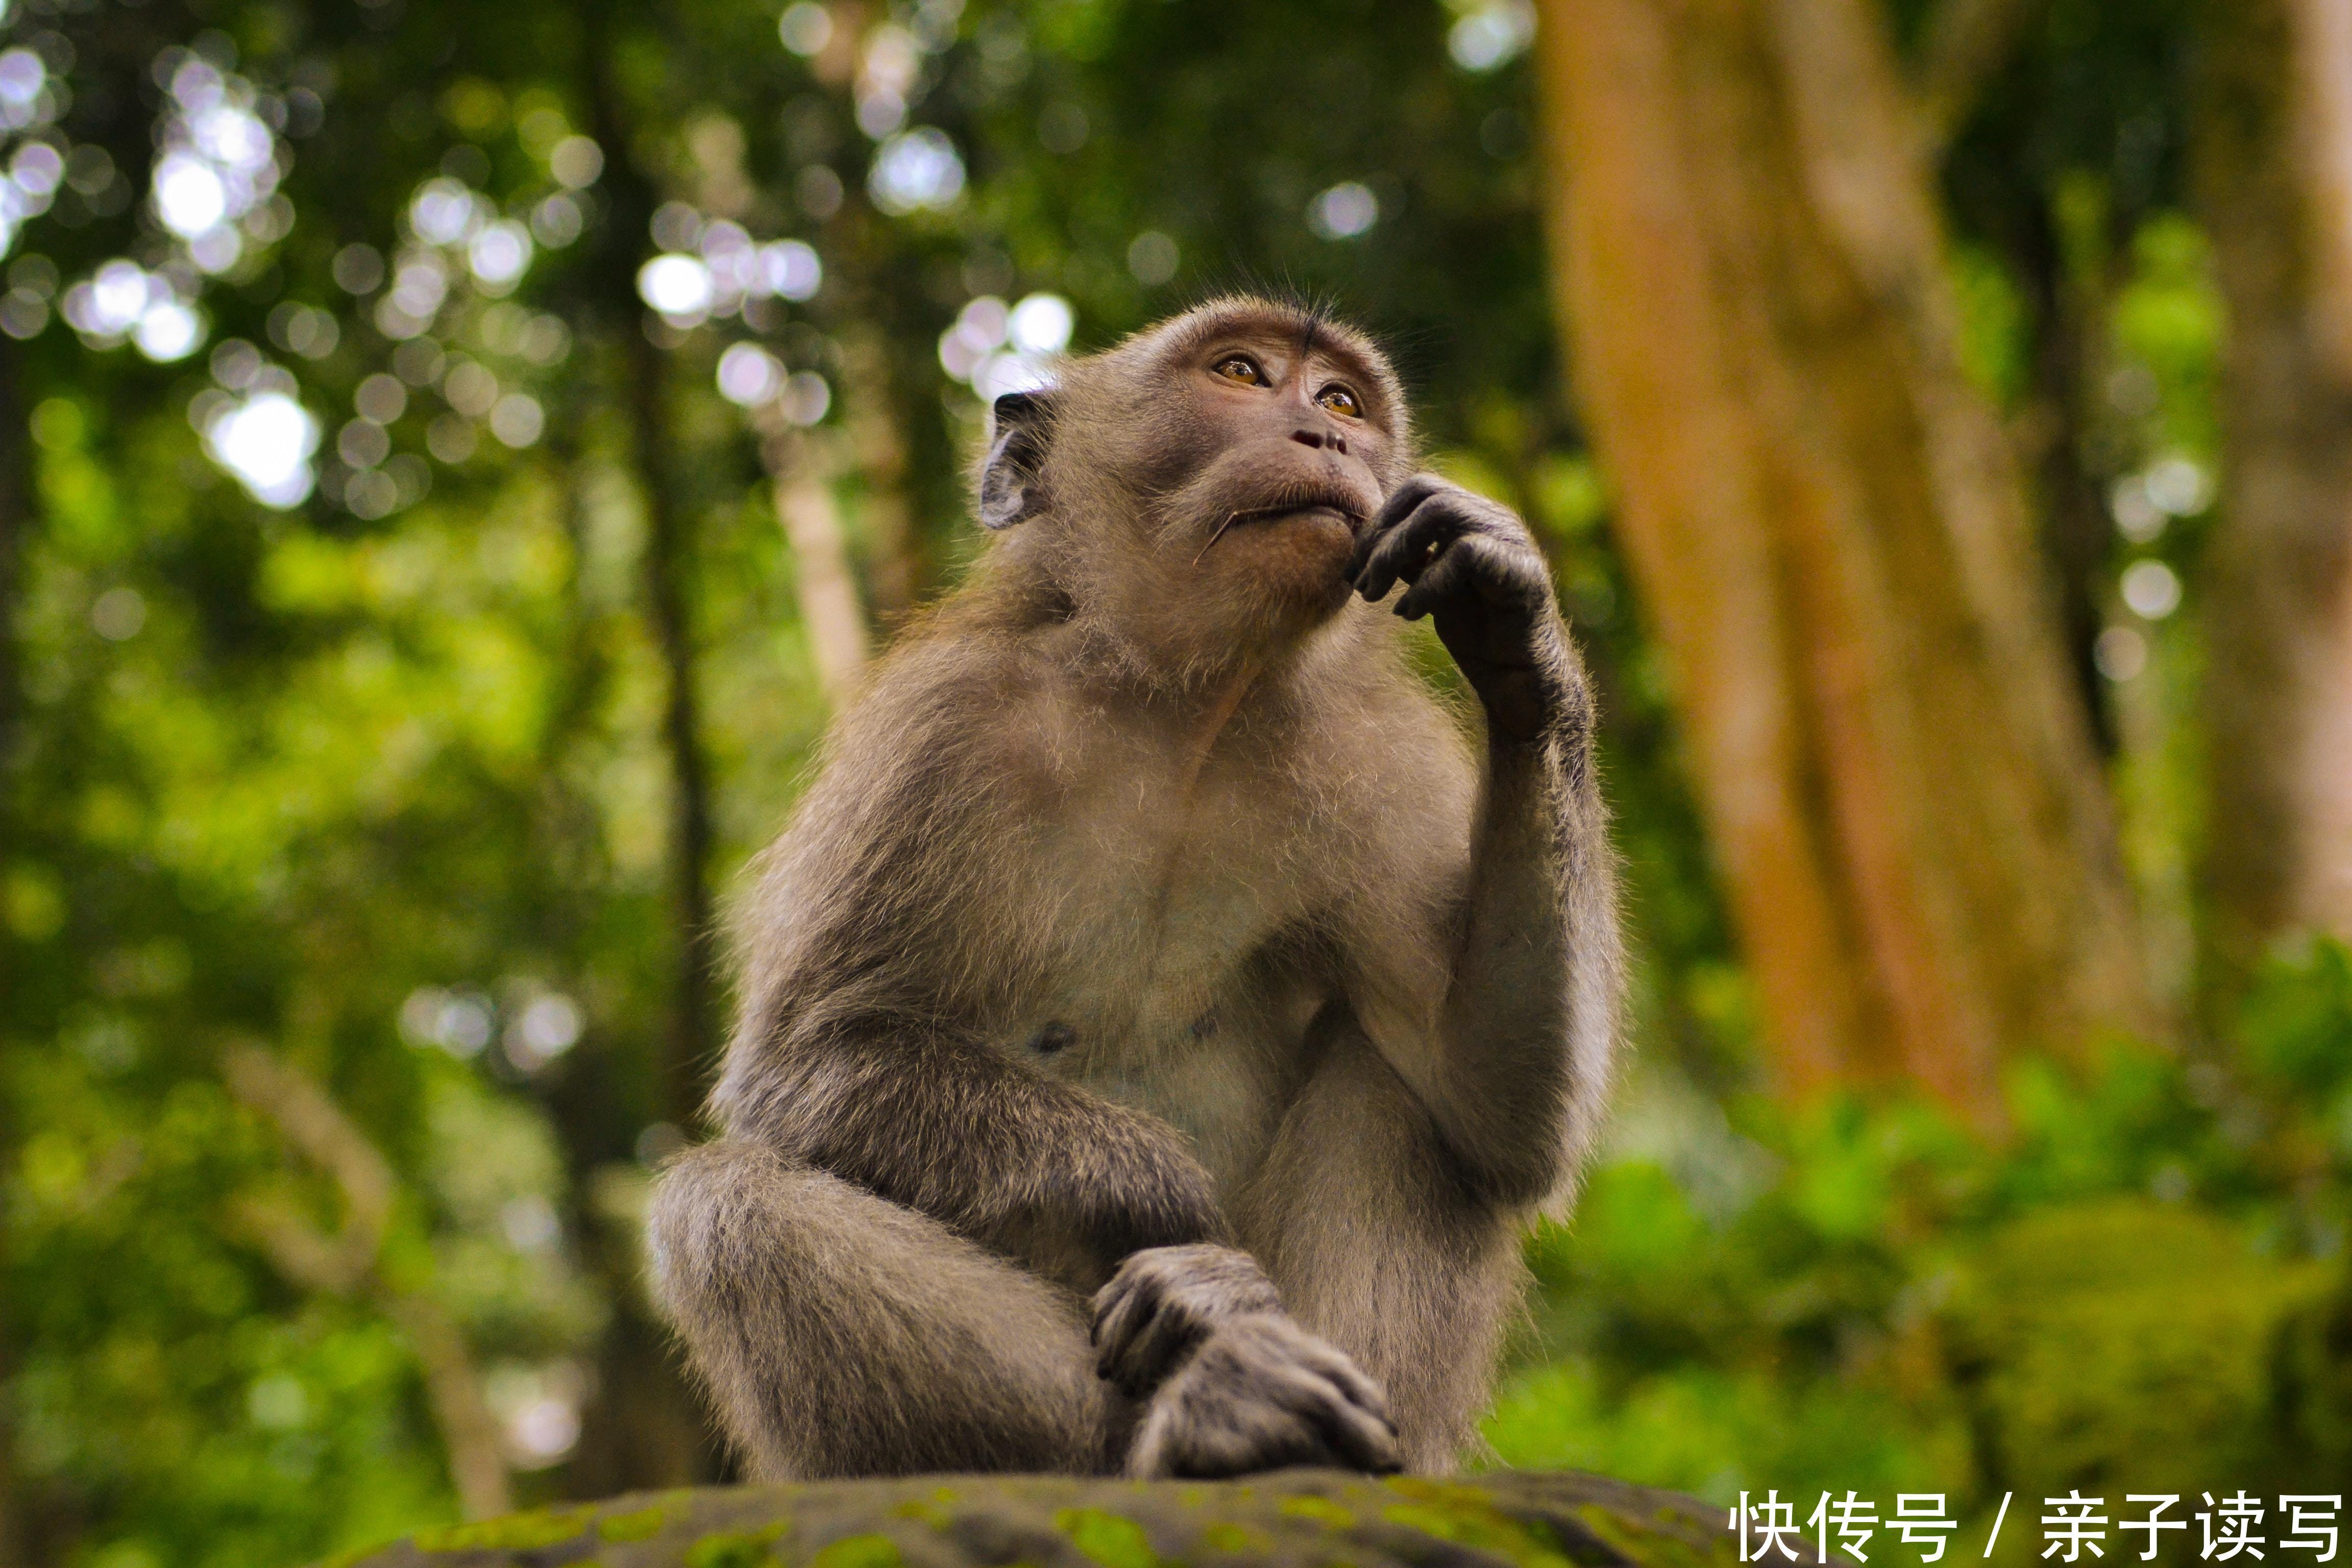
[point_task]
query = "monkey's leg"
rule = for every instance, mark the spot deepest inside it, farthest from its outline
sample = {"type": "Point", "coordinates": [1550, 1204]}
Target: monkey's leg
{"type": "Point", "coordinates": [841, 1334]}
{"type": "Point", "coordinates": [1377, 1245]}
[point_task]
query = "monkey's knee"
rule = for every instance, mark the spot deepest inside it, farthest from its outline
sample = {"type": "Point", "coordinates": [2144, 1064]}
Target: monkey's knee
{"type": "Point", "coordinates": [842, 1334]}
{"type": "Point", "coordinates": [715, 1210]}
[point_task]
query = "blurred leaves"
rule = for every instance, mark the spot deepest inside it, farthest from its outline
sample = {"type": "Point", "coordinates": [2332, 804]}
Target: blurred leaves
{"type": "Point", "coordinates": [2135, 1291]}
{"type": "Point", "coordinates": [365, 779]}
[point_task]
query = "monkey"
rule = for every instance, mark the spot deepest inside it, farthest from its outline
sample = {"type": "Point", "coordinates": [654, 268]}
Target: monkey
{"type": "Point", "coordinates": [1164, 1013]}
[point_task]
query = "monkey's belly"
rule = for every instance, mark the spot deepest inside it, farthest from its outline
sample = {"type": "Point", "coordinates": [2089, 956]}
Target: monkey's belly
{"type": "Point", "coordinates": [1222, 1077]}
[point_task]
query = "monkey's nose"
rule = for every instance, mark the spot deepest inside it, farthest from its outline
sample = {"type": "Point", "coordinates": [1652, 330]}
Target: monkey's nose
{"type": "Point", "coordinates": [1320, 439]}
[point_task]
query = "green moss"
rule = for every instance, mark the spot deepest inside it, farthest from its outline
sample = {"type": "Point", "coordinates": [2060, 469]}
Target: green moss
{"type": "Point", "coordinates": [514, 1532]}
{"type": "Point", "coordinates": [2127, 1337]}
{"type": "Point", "coordinates": [638, 1525]}
{"type": "Point", "coordinates": [1234, 1538]}
{"type": "Point", "coordinates": [1113, 1542]}
{"type": "Point", "coordinates": [1440, 1494]}
{"type": "Point", "coordinates": [736, 1549]}
{"type": "Point", "coordinates": [1651, 1551]}
{"type": "Point", "coordinates": [1466, 1515]}
{"type": "Point", "coordinates": [859, 1552]}
{"type": "Point", "coordinates": [1523, 1544]}
{"type": "Point", "coordinates": [936, 1512]}
{"type": "Point", "coordinates": [1321, 1509]}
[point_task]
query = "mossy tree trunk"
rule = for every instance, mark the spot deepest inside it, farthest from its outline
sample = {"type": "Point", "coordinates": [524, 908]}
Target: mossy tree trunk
{"type": "Point", "coordinates": [1832, 541]}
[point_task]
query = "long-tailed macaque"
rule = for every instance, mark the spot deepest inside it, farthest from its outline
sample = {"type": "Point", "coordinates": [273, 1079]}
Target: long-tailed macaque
{"type": "Point", "coordinates": [1161, 1017]}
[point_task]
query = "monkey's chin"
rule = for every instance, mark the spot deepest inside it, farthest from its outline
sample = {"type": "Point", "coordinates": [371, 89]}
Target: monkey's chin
{"type": "Point", "coordinates": [1297, 560]}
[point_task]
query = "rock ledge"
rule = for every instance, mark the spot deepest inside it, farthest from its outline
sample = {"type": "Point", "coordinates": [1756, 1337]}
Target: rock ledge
{"type": "Point", "coordinates": [1309, 1519]}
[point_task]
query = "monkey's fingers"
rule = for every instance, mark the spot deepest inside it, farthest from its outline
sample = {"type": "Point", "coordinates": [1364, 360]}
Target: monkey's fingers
{"type": "Point", "coordinates": [1325, 1360]}
{"type": "Point", "coordinates": [1141, 1339]}
{"type": "Point", "coordinates": [1399, 506]}
{"type": "Point", "coordinates": [1157, 1347]}
{"type": "Point", "coordinates": [1354, 1432]}
{"type": "Point", "coordinates": [1163, 1301]}
{"type": "Point", "coordinates": [1123, 1309]}
{"type": "Point", "coordinates": [1495, 569]}
{"type": "Point", "coordinates": [1408, 548]}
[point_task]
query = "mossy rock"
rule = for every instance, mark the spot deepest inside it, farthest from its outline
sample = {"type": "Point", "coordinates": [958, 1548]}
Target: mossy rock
{"type": "Point", "coordinates": [1313, 1518]}
{"type": "Point", "coordinates": [2127, 1338]}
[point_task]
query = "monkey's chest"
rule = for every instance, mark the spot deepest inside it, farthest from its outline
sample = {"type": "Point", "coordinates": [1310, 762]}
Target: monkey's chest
{"type": "Point", "coordinates": [1168, 984]}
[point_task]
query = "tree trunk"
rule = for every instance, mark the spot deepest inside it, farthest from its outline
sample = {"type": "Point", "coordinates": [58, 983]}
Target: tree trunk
{"type": "Point", "coordinates": [871, 414]}
{"type": "Point", "coordinates": [668, 548]}
{"type": "Point", "coordinates": [642, 1427]}
{"type": "Point", "coordinates": [800, 476]}
{"type": "Point", "coordinates": [2276, 172]}
{"type": "Point", "coordinates": [15, 527]}
{"type": "Point", "coordinates": [1832, 541]}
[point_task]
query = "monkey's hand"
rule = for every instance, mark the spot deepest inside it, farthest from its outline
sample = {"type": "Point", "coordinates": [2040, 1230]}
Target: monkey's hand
{"type": "Point", "coordinates": [1259, 1393]}
{"type": "Point", "coordinates": [1472, 566]}
{"type": "Point", "coordinates": [1163, 1301]}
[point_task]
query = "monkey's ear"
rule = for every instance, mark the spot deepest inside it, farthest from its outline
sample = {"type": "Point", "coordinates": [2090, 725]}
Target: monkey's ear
{"type": "Point", "coordinates": [1018, 427]}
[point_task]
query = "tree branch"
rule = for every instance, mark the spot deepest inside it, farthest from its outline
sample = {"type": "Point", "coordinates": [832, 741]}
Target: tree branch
{"type": "Point", "coordinates": [348, 1263]}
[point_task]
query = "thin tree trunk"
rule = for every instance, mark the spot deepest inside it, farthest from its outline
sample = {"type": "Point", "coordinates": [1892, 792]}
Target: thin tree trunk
{"type": "Point", "coordinates": [872, 416]}
{"type": "Point", "coordinates": [668, 548]}
{"type": "Point", "coordinates": [2276, 172]}
{"type": "Point", "coordinates": [686, 1055]}
{"type": "Point", "coordinates": [642, 1427]}
{"type": "Point", "coordinates": [799, 473]}
{"type": "Point", "coordinates": [1832, 540]}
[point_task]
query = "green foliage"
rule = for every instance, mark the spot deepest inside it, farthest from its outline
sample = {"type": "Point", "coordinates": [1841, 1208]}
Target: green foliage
{"type": "Point", "coordinates": [2133, 1291]}
{"type": "Point", "coordinates": [366, 790]}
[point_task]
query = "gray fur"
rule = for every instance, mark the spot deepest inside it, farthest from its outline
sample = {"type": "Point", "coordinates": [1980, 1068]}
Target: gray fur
{"type": "Point", "coordinates": [1151, 935]}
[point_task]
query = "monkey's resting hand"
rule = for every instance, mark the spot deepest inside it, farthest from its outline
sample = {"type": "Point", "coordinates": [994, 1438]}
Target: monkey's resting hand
{"type": "Point", "coordinates": [1234, 1386]}
{"type": "Point", "coordinates": [1261, 1394]}
{"type": "Point", "coordinates": [1472, 565]}
{"type": "Point", "coordinates": [1163, 1301]}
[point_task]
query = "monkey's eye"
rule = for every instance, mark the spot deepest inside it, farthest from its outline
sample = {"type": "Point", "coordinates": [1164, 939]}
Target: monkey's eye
{"type": "Point", "coordinates": [1341, 401]}
{"type": "Point", "coordinates": [1239, 368]}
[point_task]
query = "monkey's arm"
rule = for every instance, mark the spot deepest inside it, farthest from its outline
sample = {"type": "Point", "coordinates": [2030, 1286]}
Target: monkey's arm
{"type": "Point", "coordinates": [1528, 1021]}
{"type": "Point", "coordinates": [925, 1115]}
{"type": "Point", "coordinates": [1079, 1191]}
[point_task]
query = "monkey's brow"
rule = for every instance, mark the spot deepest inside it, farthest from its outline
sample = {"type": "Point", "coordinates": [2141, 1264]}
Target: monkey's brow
{"type": "Point", "coordinates": [1306, 335]}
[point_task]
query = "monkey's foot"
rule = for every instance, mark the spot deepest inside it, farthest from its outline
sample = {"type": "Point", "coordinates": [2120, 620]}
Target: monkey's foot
{"type": "Point", "coordinates": [1261, 1394]}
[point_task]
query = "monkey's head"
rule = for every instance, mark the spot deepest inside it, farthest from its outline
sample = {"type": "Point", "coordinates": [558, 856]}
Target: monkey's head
{"type": "Point", "coordinates": [1200, 487]}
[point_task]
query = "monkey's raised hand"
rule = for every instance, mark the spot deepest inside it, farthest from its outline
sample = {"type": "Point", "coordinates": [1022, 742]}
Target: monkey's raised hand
{"type": "Point", "coordinates": [1260, 1393]}
{"type": "Point", "coordinates": [1472, 566]}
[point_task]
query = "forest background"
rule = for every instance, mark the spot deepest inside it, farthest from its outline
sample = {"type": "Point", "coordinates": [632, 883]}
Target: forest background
{"type": "Point", "coordinates": [452, 459]}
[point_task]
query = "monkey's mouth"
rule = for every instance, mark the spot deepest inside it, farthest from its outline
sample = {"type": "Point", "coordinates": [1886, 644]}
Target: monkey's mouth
{"type": "Point", "coordinates": [1342, 509]}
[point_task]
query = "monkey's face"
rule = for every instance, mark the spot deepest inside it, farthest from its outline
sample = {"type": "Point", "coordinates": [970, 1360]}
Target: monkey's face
{"type": "Point", "coordinates": [1216, 469]}
{"type": "Point", "coordinates": [1274, 447]}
